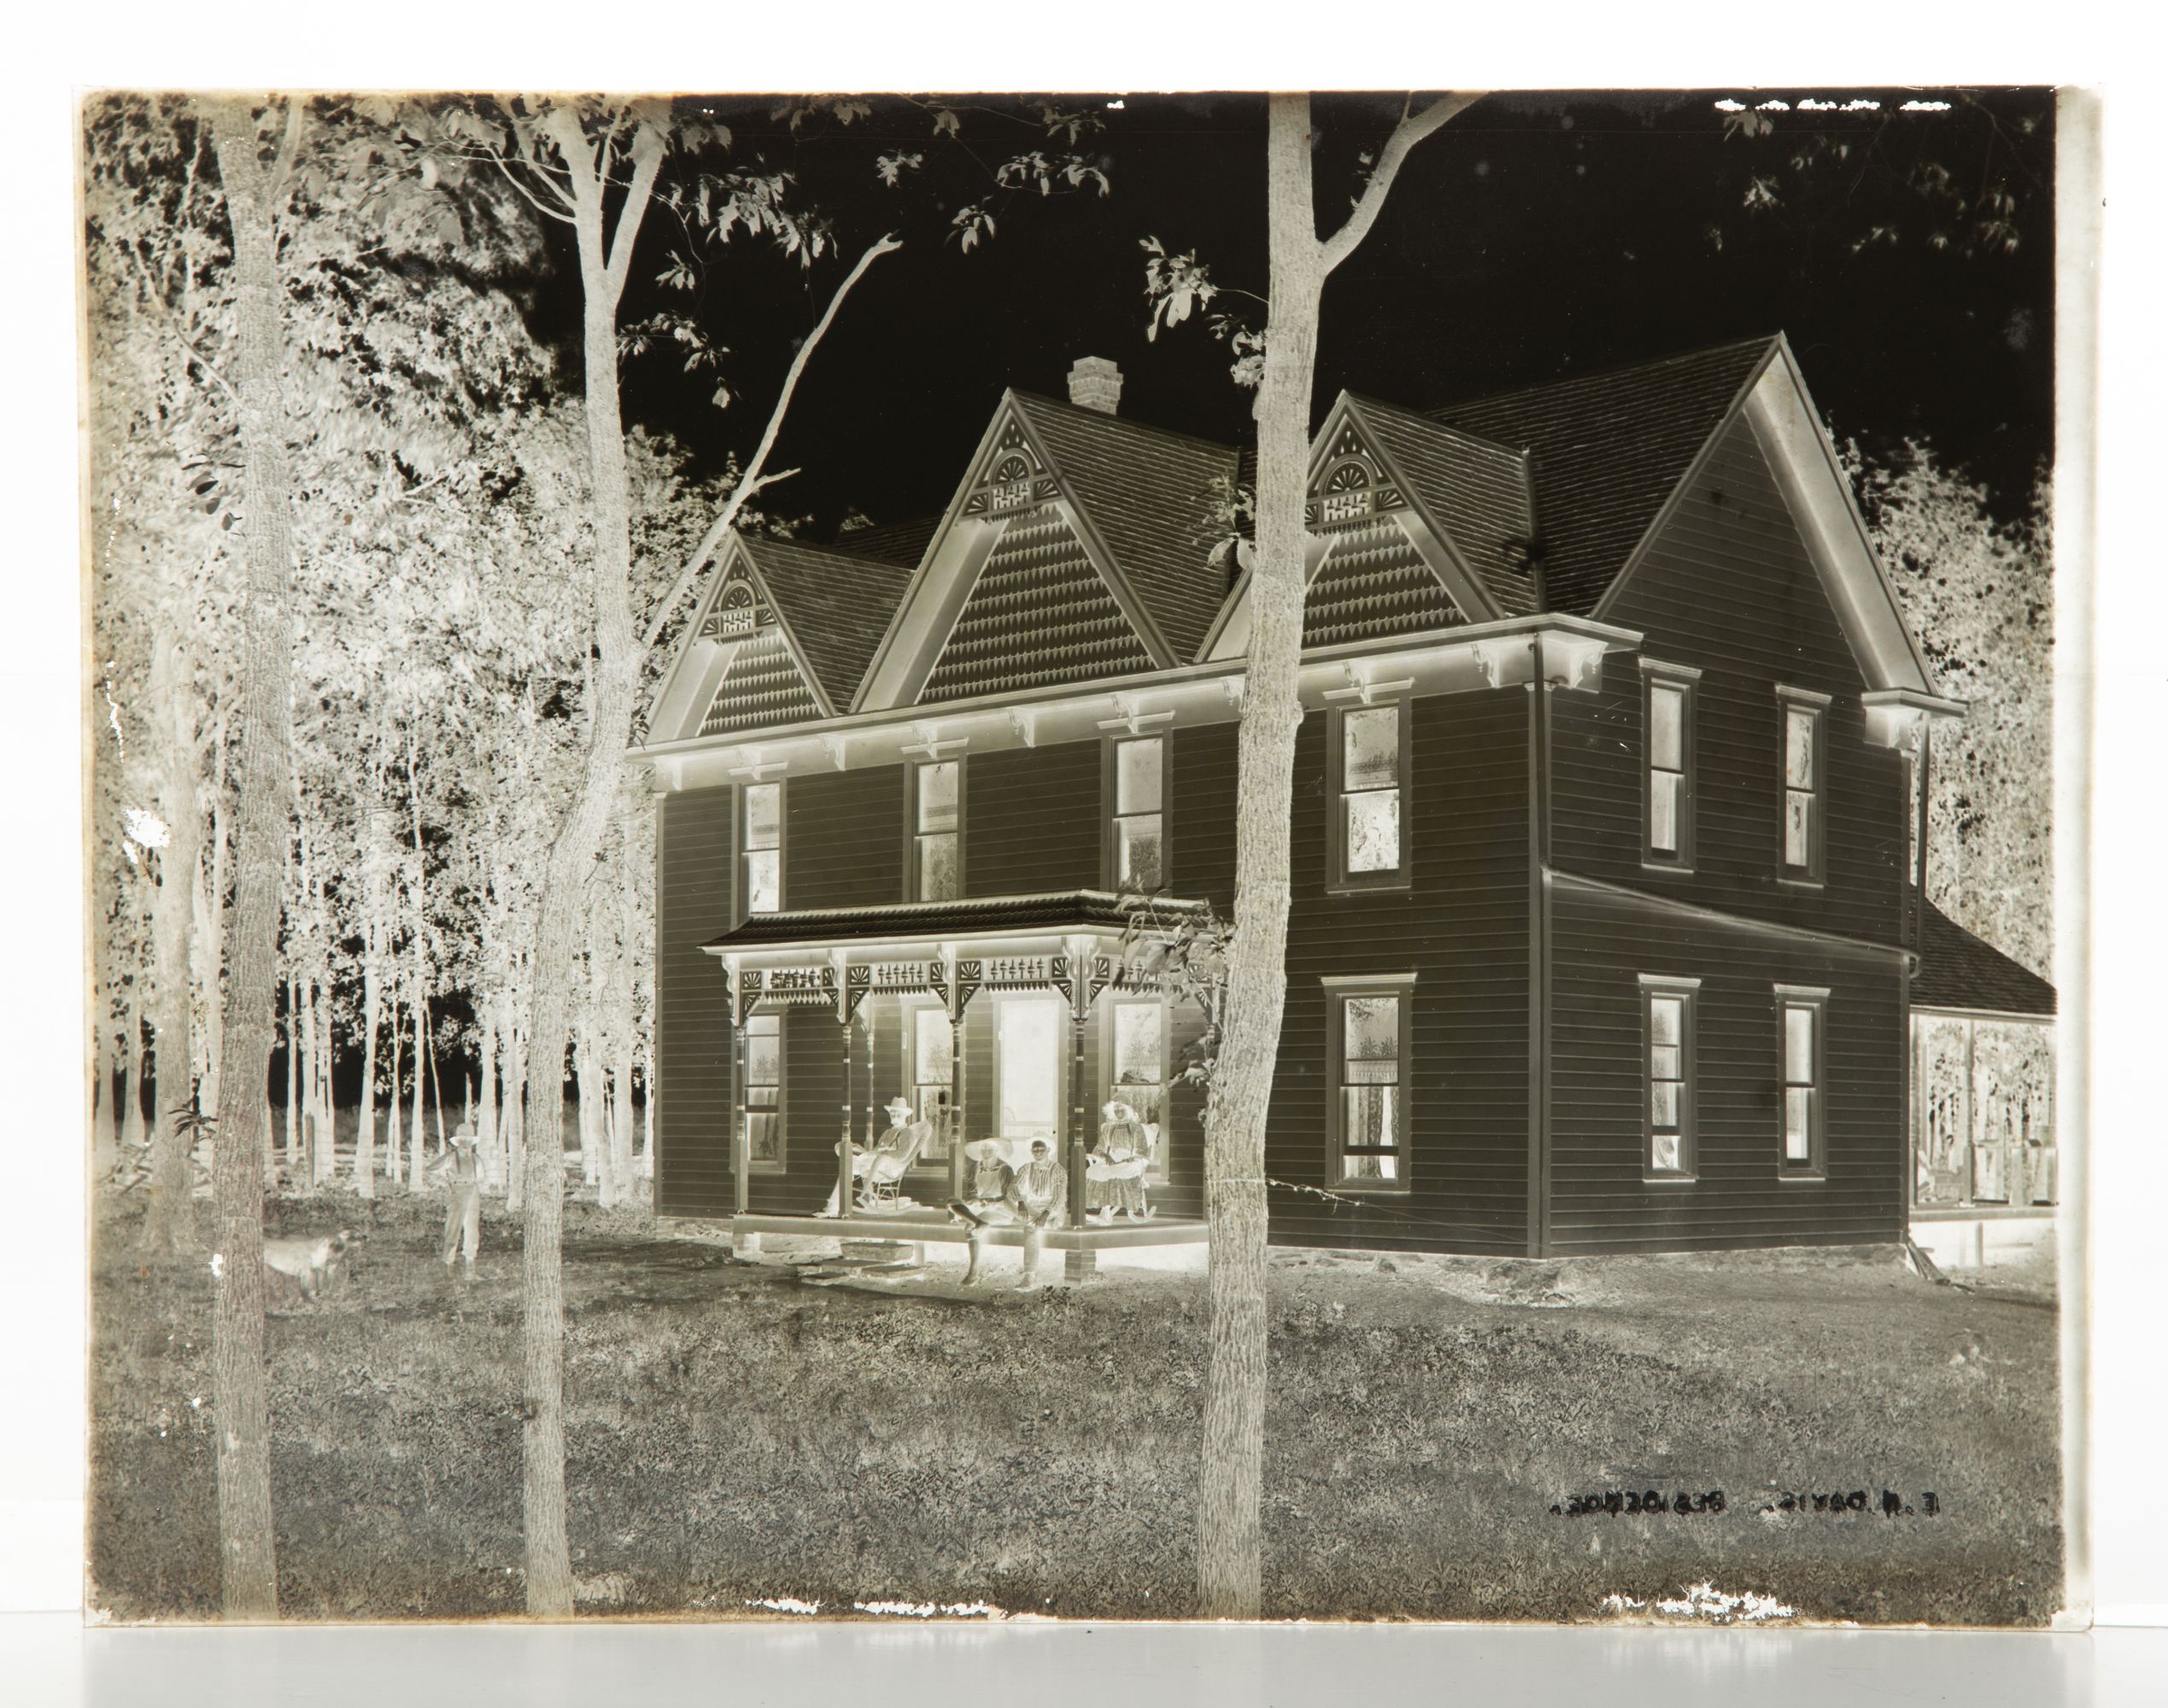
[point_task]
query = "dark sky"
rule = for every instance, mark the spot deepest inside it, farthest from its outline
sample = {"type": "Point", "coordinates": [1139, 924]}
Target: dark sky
{"type": "Point", "coordinates": [1534, 238]}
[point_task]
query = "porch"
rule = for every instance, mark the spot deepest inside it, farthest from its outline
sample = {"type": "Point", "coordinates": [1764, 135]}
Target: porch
{"type": "Point", "coordinates": [890, 1060]}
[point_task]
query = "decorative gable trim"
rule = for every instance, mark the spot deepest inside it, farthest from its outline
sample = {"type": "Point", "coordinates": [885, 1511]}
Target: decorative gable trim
{"type": "Point", "coordinates": [1349, 482]}
{"type": "Point", "coordinates": [737, 612]}
{"type": "Point", "coordinates": [1013, 479]}
{"type": "Point", "coordinates": [1012, 476]}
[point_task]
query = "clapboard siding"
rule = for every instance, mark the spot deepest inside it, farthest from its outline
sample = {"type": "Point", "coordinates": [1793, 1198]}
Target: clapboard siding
{"type": "Point", "coordinates": [693, 1113]}
{"type": "Point", "coordinates": [1728, 587]}
{"type": "Point", "coordinates": [1031, 820]}
{"type": "Point", "coordinates": [1600, 946]}
{"type": "Point", "coordinates": [1462, 929]}
{"type": "Point", "coordinates": [844, 838]}
{"type": "Point", "coordinates": [1201, 828]}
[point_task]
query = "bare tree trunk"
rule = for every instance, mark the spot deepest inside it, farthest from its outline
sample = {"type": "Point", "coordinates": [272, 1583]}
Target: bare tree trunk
{"type": "Point", "coordinates": [486, 1114]}
{"type": "Point", "coordinates": [133, 1053]}
{"type": "Point", "coordinates": [365, 1131]}
{"type": "Point", "coordinates": [292, 1131]}
{"type": "Point", "coordinates": [210, 944]}
{"type": "Point", "coordinates": [515, 1114]}
{"type": "Point", "coordinates": [249, 1576]}
{"type": "Point", "coordinates": [173, 718]}
{"type": "Point", "coordinates": [1229, 1528]}
{"type": "Point", "coordinates": [621, 1121]}
{"type": "Point", "coordinates": [105, 1131]}
{"type": "Point", "coordinates": [647, 1110]}
{"type": "Point", "coordinates": [392, 1130]}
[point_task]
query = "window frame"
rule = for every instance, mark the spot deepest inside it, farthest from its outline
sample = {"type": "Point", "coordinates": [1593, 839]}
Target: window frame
{"type": "Point", "coordinates": [780, 1163]}
{"type": "Point", "coordinates": [1110, 814]}
{"type": "Point", "coordinates": [1815, 705]}
{"type": "Point", "coordinates": [1814, 999]}
{"type": "Point", "coordinates": [1162, 1168]}
{"type": "Point", "coordinates": [912, 1005]}
{"type": "Point", "coordinates": [1687, 991]}
{"type": "Point", "coordinates": [913, 888]}
{"type": "Point", "coordinates": [1338, 992]}
{"type": "Point", "coordinates": [741, 884]}
{"type": "Point", "coordinates": [1339, 879]}
{"type": "Point", "coordinates": [1686, 679]}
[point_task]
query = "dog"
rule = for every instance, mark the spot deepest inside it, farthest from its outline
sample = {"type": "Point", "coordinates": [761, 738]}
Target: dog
{"type": "Point", "coordinates": [311, 1264]}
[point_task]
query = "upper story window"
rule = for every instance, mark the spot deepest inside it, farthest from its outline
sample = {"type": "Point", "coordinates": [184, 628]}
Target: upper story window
{"type": "Point", "coordinates": [937, 818]}
{"type": "Point", "coordinates": [1369, 790]}
{"type": "Point", "coordinates": [1137, 830]}
{"type": "Point", "coordinates": [1804, 767]}
{"type": "Point", "coordinates": [1667, 718]}
{"type": "Point", "coordinates": [760, 847]}
{"type": "Point", "coordinates": [1667, 1029]}
{"type": "Point", "coordinates": [1802, 1017]}
{"type": "Point", "coordinates": [1368, 1049]}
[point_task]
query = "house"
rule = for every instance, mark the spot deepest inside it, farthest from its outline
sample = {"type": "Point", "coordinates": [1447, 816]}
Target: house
{"type": "Point", "coordinates": [1985, 1159]}
{"type": "Point", "coordinates": [1607, 828]}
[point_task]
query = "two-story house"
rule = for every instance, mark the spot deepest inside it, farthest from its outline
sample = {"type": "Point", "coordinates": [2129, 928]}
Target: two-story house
{"type": "Point", "coordinates": [1607, 825]}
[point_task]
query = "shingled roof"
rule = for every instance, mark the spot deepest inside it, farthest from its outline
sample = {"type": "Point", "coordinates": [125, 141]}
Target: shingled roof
{"type": "Point", "coordinates": [1475, 489]}
{"type": "Point", "coordinates": [1957, 970]}
{"type": "Point", "coordinates": [1608, 451]}
{"type": "Point", "coordinates": [1148, 492]}
{"type": "Point", "coordinates": [836, 602]}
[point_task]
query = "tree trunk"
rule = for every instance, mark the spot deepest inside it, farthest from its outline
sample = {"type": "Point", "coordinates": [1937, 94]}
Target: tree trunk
{"type": "Point", "coordinates": [365, 1131]}
{"type": "Point", "coordinates": [132, 1052]}
{"type": "Point", "coordinates": [210, 943]}
{"type": "Point", "coordinates": [571, 854]}
{"type": "Point", "coordinates": [105, 1131]}
{"type": "Point", "coordinates": [621, 1121]}
{"type": "Point", "coordinates": [486, 1113]}
{"type": "Point", "coordinates": [417, 1132]}
{"type": "Point", "coordinates": [173, 717]}
{"type": "Point", "coordinates": [293, 1074]}
{"type": "Point", "coordinates": [515, 1114]}
{"type": "Point", "coordinates": [248, 1579]}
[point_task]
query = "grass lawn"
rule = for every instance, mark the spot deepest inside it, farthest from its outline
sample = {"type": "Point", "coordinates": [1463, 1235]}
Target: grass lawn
{"type": "Point", "coordinates": [739, 1435]}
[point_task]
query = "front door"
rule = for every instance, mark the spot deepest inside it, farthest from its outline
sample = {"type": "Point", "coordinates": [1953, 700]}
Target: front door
{"type": "Point", "coordinates": [1028, 1054]}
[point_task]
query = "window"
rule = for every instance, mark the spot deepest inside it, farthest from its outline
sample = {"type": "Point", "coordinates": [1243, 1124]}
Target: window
{"type": "Point", "coordinates": [1667, 1123]}
{"type": "Point", "coordinates": [760, 845]}
{"type": "Point", "coordinates": [936, 849]}
{"type": "Point", "coordinates": [929, 1042]}
{"type": "Point", "coordinates": [1801, 859]}
{"type": "Point", "coordinates": [1137, 838]}
{"type": "Point", "coordinates": [1139, 1074]}
{"type": "Point", "coordinates": [764, 1133]}
{"type": "Point", "coordinates": [1802, 1017]}
{"type": "Point", "coordinates": [1369, 762]}
{"type": "Point", "coordinates": [1369, 1051]}
{"type": "Point", "coordinates": [1667, 716]}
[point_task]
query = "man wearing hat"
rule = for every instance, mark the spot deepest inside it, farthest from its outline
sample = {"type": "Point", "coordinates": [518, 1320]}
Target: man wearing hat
{"type": "Point", "coordinates": [890, 1156]}
{"type": "Point", "coordinates": [463, 1207]}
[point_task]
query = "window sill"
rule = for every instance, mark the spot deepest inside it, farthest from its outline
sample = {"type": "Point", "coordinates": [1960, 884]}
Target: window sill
{"type": "Point", "coordinates": [1787, 881]}
{"type": "Point", "coordinates": [1396, 884]}
{"type": "Point", "coordinates": [1666, 868]}
{"type": "Point", "coordinates": [1371, 1189]}
{"type": "Point", "coordinates": [1801, 1177]}
{"type": "Point", "coordinates": [1649, 1179]}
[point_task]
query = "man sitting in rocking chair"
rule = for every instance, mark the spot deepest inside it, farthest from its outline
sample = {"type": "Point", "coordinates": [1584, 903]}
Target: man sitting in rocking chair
{"type": "Point", "coordinates": [875, 1173]}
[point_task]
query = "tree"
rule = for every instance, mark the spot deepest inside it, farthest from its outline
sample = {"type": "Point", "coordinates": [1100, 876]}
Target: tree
{"type": "Point", "coordinates": [1977, 593]}
{"type": "Point", "coordinates": [1281, 363]}
{"type": "Point", "coordinates": [254, 195]}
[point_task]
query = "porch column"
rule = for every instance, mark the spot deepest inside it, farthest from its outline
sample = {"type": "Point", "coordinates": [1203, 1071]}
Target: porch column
{"type": "Point", "coordinates": [843, 1157]}
{"type": "Point", "coordinates": [1076, 1265]}
{"type": "Point", "coordinates": [956, 1135]}
{"type": "Point", "coordinates": [741, 1125]}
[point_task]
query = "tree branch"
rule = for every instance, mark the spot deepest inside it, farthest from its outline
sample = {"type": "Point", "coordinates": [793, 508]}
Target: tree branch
{"type": "Point", "coordinates": [1406, 134]}
{"type": "Point", "coordinates": [281, 167]}
{"type": "Point", "coordinates": [755, 479]}
{"type": "Point", "coordinates": [647, 162]}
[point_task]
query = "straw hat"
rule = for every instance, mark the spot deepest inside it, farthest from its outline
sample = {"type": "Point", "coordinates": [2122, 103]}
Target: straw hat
{"type": "Point", "coordinates": [464, 1132]}
{"type": "Point", "coordinates": [1119, 1111]}
{"type": "Point", "coordinates": [898, 1110]}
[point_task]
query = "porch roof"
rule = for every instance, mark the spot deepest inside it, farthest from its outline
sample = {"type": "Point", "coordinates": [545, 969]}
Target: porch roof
{"type": "Point", "coordinates": [1096, 913]}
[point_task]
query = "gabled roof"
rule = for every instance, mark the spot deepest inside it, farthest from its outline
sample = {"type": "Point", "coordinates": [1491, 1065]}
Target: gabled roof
{"type": "Point", "coordinates": [1148, 494]}
{"type": "Point", "coordinates": [1957, 970]}
{"type": "Point", "coordinates": [1608, 451]}
{"type": "Point", "coordinates": [836, 604]}
{"type": "Point", "coordinates": [1477, 491]}
{"type": "Point", "coordinates": [891, 543]}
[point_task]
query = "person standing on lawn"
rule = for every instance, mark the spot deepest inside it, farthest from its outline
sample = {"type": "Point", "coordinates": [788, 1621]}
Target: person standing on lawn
{"type": "Point", "coordinates": [463, 1207]}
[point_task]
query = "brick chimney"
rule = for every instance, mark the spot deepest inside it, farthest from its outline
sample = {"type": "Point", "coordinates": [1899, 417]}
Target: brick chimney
{"type": "Point", "coordinates": [1096, 384]}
